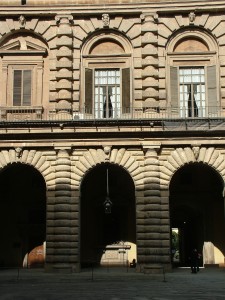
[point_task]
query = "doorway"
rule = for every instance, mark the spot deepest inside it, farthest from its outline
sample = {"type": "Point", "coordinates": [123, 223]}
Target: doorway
{"type": "Point", "coordinates": [108, 238]}
{"type": "Point", "coordinates": [22, 216]}
{"type": "Point", "coordinates": [196, 211]}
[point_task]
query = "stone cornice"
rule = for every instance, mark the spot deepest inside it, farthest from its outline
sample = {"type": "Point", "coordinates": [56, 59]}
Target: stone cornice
{"type": "Point", "coordinates": [137, 7]}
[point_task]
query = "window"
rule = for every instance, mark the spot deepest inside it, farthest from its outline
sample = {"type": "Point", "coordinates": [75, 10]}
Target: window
{"type": "Point", "coordinates": [23, 60]}
{"type": "Point", "coordinates": [110, 95]}
{"type": "Point", "coordinates": [192, 92]}
{"type": "Point", "coordinates": [193, 75]}
{"type": "Point", "coordinates": [22, 87]}
{"type": "Point", "coordinates": [107, 93]}
{"type": "Point", "coordinates": [106, 82]}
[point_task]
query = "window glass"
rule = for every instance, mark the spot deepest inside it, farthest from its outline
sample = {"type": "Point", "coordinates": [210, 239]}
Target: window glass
{"type": "Point", "coordinates": [22, 87]}
{"type": "Point", "coordinates": [107, 93]}
{"type": "Point", "coordinates": [192, 92]}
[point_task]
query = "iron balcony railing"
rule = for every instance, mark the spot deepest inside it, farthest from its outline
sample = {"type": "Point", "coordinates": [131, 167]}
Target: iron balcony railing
{"type": "Point", "coordinates": [28, 114]}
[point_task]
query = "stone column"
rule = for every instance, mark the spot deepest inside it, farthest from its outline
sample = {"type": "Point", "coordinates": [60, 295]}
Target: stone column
{"type": "Point", "coordinates": [62, 248]}
{"type": "Point", "coordinates": [64, 65]}
{"type": "Point", "coordinates": [153, 254]}
{"type": "Point", "coordinates": [150, 63]}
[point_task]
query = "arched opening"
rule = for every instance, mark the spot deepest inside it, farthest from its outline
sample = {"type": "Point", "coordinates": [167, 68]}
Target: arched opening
{"type": "Point", "coordinates": [197, 214]}
{"type": "Point", "coordinates": [22, 216]}
{"type": "Point", "coordinates": [108, 238]}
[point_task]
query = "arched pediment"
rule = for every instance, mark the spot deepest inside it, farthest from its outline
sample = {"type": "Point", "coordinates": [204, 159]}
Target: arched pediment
{"type": "Point", "coordinates": [106, 46]}
{"type": "Point", "coordinates": [191, 41]}
{"type": "Point", "coordinates": [190, 44]}
{"type": "Point", "coordinates": [111, 43]}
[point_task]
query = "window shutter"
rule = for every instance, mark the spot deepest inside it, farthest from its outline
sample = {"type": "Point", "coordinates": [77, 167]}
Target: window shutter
{"type": "Point", "coordinates": [27, 87]}
{"type": "Point", "coordinates": [174, 88]}
{"type": "Point", "coordinates": [17, 80]}
{"type": "Point", "coordinates": [126, 90]}
{"type": "Point", "coordinates": [212, 90]}
{"type": "Point", "coordinates": [88, 90]}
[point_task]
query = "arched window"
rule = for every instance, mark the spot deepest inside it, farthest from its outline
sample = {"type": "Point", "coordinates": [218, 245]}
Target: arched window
{"type": "Point", "coordinates": [22, 61]}
{"type": "Point", "coordinates": [106, 76]}
{"type": "Point", "coordinates": [193, 77]}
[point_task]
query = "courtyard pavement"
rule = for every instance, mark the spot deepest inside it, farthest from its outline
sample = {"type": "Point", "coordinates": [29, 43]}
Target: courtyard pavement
{"type": "Point", "coordinates": [112, 284]}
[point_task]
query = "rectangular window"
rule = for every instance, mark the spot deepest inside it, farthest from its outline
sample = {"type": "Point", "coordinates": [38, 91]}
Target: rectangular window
{"type": "Point", "coordinates": [107, 93]}
{"type": "Point", "coordinates": [192, 92]}
{"type": "Point", "coordinates": [22, 87]}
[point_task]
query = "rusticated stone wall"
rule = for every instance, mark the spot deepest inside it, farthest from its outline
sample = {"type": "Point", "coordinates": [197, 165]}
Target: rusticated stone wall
{"type": "Point", "coordinates": [64, 63]}
{"type": "Point", "coordinates": [64, 170]}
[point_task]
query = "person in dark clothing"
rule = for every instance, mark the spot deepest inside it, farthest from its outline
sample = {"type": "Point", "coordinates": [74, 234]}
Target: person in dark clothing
{"type": "Point", "coordinates": [194, 261]}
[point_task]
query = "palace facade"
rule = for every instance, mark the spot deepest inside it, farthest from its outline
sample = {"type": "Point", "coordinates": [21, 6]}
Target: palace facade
{"type": "Point", "coordinates": [112, 133]}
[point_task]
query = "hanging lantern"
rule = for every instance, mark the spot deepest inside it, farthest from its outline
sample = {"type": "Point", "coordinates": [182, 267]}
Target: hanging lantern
{"type": "Point", "coordinates": [107, 203]}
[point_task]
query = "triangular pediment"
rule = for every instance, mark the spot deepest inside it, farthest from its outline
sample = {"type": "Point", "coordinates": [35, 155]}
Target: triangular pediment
{"type": "Point", "coordinates": [22, 45]}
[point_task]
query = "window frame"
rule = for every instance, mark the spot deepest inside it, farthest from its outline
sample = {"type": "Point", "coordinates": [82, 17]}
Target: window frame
{"type": "Point", "coordinates": [188, 109]}
{"type": "Point", "coordinates": [91, 62]}
{"type": "Point", "coordinates": [109, 111]}
{"type": "Point", "coordinates": [12, 70]}
{"type": "Point", "coordinates": [207, 59]}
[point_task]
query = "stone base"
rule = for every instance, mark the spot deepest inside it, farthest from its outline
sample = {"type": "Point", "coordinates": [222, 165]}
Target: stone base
{"type": "Point", "coordinates": [153, 269]}
{"type": "Point", "coordinates": [65, 268]}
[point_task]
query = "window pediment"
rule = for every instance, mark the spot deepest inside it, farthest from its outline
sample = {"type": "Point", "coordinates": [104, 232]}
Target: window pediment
{"type": "Point", "coordinates": [22, 46]}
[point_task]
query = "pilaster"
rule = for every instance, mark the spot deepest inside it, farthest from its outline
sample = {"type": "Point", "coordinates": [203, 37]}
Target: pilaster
{"type": "Point", "coordinates": [64, 63]}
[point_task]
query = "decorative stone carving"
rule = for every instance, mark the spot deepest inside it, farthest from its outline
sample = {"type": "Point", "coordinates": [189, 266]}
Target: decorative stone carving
{"type": "Point", "coordinates": [105, 20]}
{"type": "Point", "coordinates": [196, 151]}
{"type": "Point", "coordinates": [191, 18]}
{"type": "Point", "coordinates": [107, 151]}
{"type": "Point", "coordinates": [18, 151]}
{"type": "Point", "coordinates": [22, 21]}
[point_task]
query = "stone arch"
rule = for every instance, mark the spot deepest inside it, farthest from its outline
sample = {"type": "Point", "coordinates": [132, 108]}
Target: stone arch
{"type": "Point", "coordinates": [183, 156]}
{"type": "Point", "coordinates": [121, 157]}
{"type": "Point", "coordinates": [194, 33]}
{"type": "Point", "coordinates": [33, 158]}
{"type": "Point", "coordinates": [35, 40]}
{"type": "Point", "coordinates": [42, 29]}
{"type": "Point", "coordinates": [129, 30]}
{"type": "Point", "coordinates": [101, 35]}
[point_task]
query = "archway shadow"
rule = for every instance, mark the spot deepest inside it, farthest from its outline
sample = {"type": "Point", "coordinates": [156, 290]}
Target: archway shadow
{"type": "Point", "coordinates": [106, 237]}
{"type": "Point", "coordinates": [22, 215]}
{"type": "Point", "coordinates": [196, 210]}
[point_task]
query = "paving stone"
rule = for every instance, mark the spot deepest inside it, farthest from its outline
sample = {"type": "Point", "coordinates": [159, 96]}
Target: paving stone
{"type": "Point", "coordinates": [112, 284]}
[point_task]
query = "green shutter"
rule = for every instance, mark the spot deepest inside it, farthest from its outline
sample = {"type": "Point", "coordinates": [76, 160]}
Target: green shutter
{"type": "Point", "coordinates": [88, 90]}
{"type": "Point", "coordinates": [212, 90]}
{"type": "Point", "coordinates": [27, 87]}
{"type": "Point", "coordinates": [126, 90]}
{"type": "Point", "coordinates": [174, 88]}
{"type": "Point", "coordinates": [17, 87]}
